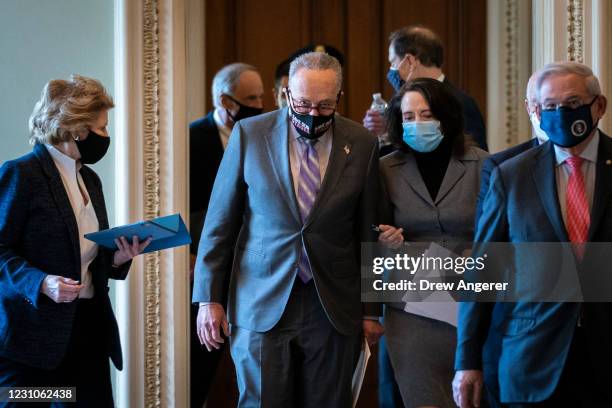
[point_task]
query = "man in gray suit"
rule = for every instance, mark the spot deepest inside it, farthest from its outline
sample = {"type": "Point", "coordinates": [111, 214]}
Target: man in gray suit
{"type": "Point", "coordinates": [295, 195]}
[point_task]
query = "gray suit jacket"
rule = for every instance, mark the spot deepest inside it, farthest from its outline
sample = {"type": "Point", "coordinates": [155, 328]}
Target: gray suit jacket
{"type": "Point", "coordinates": [447, 220]}
{"type": "Point", "coordinates": [254, 234]}
{"type": "Point", "coordinates": [450, 217]}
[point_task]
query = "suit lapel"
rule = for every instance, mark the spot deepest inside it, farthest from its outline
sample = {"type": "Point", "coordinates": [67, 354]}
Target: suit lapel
{"type": "Point", "coordinates": [454, 173]}
{"type": "Point", "coordinates": [603, 183]}
{"type": "Point", "coordinates": [338, 158]}
{"type": "Point", "coordinates": [60, 197]}
{"type": "Point", "coordinates": [277, 144]}
{"type": "Point", "coordinates": [546, 185]}
{"type": "Point", "coordinates": [411, 174]}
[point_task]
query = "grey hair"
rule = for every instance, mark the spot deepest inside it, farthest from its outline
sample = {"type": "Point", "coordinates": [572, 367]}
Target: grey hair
{"type": "Point", "coordinates": [569, 67]}
{"type": "Point", "coordinates": [530, 92]}
{"type": "Point", "coordinates": [318, 61]}
{"type": "Point", "coordinates": [226, 80]}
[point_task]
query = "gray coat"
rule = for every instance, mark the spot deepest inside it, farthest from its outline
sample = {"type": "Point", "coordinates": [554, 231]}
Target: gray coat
{"type": "Point", "coordinates": [253, 232]}
{"type": "Point", "coordinates": [447, 220]}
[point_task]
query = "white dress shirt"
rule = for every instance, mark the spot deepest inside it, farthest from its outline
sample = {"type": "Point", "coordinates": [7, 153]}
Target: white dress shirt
{"type": "Point", "coordinates": [86, 218]}
{"type": "Point", "coordinates": [563, 171]}
{"type": "Point", "coordinates": [224, 131]}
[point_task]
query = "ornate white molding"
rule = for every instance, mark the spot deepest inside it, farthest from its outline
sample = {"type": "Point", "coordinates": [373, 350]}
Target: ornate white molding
{"type": "Point", "coordinates": [151, 66]}
{"type": "Point", "coordinates": [151, 147]}
{"type": "Point", "coordinates": [508, 68]}
{"type": "Point", "coordinates": [511, 69]}
{"type": "Point", "coordinates": [575, 30]}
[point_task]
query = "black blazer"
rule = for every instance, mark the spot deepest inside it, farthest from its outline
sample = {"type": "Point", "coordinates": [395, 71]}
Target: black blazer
{"type": "Point", "coordinates": [206, 152]}
{"type": "Point", "coordinates": [39, 236]}
{"type": "Point", "coordinates": [523, 346]}
{"type": "Point", "coordinates": [492, 162]}
{"type": "Point", "coordinates": [474, 123]}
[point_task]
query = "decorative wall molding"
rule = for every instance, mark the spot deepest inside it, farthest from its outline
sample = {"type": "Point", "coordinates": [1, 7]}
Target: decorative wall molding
{"type": "Point", "coordinates": [575, 30]}
{"type": "Point", "coordinates": [151, 67]}
{"type": "Point", "coordinates": [511, 69]}
{"type": "Point", "coordinates": [152, 162]}
{"type": "Point", "coordinates": [508, 68]}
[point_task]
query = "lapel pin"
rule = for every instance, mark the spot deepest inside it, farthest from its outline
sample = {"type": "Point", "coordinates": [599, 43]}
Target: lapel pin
{"type": "Point", "coordinates": [347, 149]}
{"type": "Point", "coordinates": [609, 162]}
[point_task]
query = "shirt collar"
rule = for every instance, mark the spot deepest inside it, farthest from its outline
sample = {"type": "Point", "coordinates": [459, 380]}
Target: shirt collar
{"type": "Point", "coordinates": [220, 123]}
{"type": "Point", "coordinates": [589, 153]}
{"type": "Point", "coordinates": [441, 78]}
{"type": "Point", "coordinates": [65, 163]}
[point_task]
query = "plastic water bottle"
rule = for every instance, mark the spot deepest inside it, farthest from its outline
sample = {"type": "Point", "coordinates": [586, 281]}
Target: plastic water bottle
{"type": "Point", "coordinates": [380, 105]}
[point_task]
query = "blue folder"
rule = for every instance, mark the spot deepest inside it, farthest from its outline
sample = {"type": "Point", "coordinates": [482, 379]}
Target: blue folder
{"type": "Point", "coordinates": [167, 232]}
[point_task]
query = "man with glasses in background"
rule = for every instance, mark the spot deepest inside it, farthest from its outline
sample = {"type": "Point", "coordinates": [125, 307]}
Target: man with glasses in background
{"type": "Point", "coordinates": [295, 194]}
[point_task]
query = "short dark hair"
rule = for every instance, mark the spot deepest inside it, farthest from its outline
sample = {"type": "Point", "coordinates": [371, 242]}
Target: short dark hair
{"type": "Point", "coordinates": [444, 107]}
{"type": "Point", "coordinates": [282, 70]}
{"type": "Point", "coordinates": [419, 41]}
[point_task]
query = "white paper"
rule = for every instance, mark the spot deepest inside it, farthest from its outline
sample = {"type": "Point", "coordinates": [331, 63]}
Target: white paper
{"type": "Point", "coordinates": [360, 370]}
{"type": "Point", "coordinates": [439, 305]}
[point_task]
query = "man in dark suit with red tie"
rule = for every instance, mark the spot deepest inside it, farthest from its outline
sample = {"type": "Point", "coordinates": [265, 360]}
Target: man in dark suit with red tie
{"type": "Point", "coordinates": [549, 354]}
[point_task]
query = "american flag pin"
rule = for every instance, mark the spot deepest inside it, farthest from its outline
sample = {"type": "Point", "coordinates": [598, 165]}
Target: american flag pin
{"type": "Point", "coordinates": [347, 149]}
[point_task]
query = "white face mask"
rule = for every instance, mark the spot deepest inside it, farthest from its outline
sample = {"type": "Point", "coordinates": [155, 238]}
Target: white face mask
{"type": "Point", "coordinates": [539, 133]}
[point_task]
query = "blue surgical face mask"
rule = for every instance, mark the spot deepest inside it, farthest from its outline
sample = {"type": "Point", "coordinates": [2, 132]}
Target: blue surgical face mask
{"type": "Point", "coordinates": [394, 78]}
{"type": "Point", "coordinates": [423, 137]}
{"type": "Point", "coordinates": [568, 127]}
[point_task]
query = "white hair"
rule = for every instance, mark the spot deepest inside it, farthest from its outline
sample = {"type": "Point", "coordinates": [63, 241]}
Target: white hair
{"type": "Point", "coordinates": [569, 67]}
{"type": "Point", "coordinates": [226, 80]}
{"type": "Point", "coordinates": [530, 92]}
{"type": "Point", "coordinates": [317, 61]}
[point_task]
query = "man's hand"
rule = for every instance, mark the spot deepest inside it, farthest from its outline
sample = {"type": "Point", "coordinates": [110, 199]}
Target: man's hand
{"type": "Point", "coordinates": [211, 318]}
{"type": "Point", "coordinates": [390, 236]}
{"type": "Point", "coordinates": [372, 330]}
{"type": "Point", "coordinates": [467, 388]}
{"type": "Point", "coordinates": [375, 122]}
{"type": "Point", "coordinates": [60, 289]}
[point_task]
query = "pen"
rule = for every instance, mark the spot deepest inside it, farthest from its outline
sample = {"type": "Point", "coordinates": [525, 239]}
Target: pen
{"type": "Point", "coordinates": [375, 228]}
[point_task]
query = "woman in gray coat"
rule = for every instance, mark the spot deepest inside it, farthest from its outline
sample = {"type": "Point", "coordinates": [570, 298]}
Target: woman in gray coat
{"type": "Point", "coordinates": [431, 185]}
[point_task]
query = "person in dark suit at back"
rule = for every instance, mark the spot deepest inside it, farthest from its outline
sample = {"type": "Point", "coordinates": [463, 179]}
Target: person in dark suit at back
{"type": "Point", "coordinates": [296, 194]}
{"type": "Point", "coordinates": [417, 52]}
{"type": "Point", "coordinates": [498, 158]}
{"type": "Point", "coordinates": [237, 93]}
{"type": "Point", "coordinates": [548, 354]}
{"type": "Point", "coordinates": [57, 327]}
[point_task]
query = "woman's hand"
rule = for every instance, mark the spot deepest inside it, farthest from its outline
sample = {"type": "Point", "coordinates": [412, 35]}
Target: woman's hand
{"type": "Point", "coordinates": [390, 236]}
{"type": "Point", "coordinates": [126, 251]}
{"type": "Point", "coordinates": [60, 289]}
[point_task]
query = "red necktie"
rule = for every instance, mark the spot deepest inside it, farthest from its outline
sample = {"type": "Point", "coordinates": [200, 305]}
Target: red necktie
{"type": "Point", "coordinates": [578, 217]}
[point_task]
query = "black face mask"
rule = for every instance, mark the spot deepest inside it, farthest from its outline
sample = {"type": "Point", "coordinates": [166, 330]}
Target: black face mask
{"type": "Point", "coordinates": [93, 148]}
{"type": "Point", "coordinates": [308, 126]}
{"type": "Point", "coordinates": [244, 111]}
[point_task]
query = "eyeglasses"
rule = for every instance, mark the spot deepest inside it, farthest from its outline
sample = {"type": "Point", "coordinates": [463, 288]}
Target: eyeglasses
{"type": "Point", "coordinates": [571, 104]}
{"type": "Point", "coordinates": [303, 106]}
